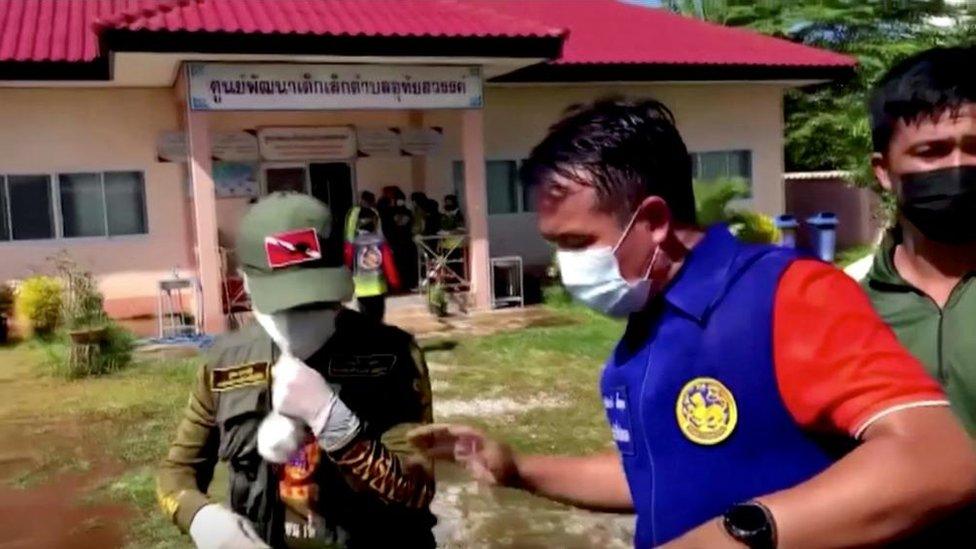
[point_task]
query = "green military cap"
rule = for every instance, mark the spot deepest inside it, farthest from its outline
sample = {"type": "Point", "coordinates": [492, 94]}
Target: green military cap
{"type": "Point", "coordinates": [281, 247]}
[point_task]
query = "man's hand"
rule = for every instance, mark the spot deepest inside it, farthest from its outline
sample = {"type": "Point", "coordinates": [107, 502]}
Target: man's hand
{"type": "Point", "coordinates": [300, 392]}
{"type": "Point", "coordinates": [594, 482]}
{"type": "Point", "coordinates": [279, 437]}
{"type": "Point", "coordinates": [214, 527]}
{"type": "Point", "coordinates": [487, 460]}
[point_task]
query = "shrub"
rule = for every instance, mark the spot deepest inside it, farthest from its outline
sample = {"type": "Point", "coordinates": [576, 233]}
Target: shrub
{"type": "Point", "coordinates": [114, 354]}
{"type": "Point", "coordinates": [6, 299]}
{"type": "Point", "coordinates": [38, 305]}
{"type": "Point", "coordinates": [82, 306]}
{"type": "Point", "coordinates": [754, 227]}
{"type": "Point", "coordinates": [713, 204]}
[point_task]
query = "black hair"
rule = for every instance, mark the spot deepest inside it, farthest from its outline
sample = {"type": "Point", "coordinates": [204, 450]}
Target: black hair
{"type": "Point", "coordinates": [626, 150]}
{"type": "Point", "coordinates": [418, 197]}
{"type": "Point", "coordinates": [368, 197]}
{"type": "Point", "coordinates": [927, 84]}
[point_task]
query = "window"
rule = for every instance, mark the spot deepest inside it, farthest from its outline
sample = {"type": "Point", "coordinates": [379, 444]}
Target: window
{"type": "Point", "coordinates": [72, 205]}
{"type": "Point", "coordinates": [710, 166]}
{"type": "Point", "coordinates": [29, 204]}
{"type": "Point", "coordinates": [506, 195]}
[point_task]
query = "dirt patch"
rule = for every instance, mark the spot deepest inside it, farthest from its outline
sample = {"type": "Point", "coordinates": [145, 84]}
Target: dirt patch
{"type": "Point", "coordinates": [46, 474]}
{"type": "Point", "coordinates": [54, 515]}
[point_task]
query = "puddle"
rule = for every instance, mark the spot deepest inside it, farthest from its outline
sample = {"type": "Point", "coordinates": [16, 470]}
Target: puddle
{"type": "Point", "coordinates": [482, 407]}
{"type": "Point", "coordinates": [473, 515]}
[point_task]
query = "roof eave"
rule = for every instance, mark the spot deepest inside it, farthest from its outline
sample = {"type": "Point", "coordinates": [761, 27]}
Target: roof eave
{"type": "Point", "coordinates": [512, 47]}
{"type": "Point", "coordinates": [674, 72]}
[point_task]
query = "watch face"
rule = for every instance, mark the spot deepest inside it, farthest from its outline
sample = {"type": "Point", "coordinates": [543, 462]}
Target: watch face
{"type": "Point", "coordinates": [748, 518]}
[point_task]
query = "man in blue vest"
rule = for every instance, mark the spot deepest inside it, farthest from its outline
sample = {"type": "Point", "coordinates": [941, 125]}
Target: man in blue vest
{"type": "Point", "coordinates": [756, 400]}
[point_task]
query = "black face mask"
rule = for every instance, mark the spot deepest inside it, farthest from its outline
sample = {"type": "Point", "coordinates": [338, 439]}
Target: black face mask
{"type": "Point", "coordinates": [941, 203]}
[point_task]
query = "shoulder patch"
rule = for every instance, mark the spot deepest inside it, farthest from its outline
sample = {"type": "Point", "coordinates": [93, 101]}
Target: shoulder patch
{"type": "Point", "coordinates": [235, 377]}
{"type": "Point", "coordinates": [361, 366]}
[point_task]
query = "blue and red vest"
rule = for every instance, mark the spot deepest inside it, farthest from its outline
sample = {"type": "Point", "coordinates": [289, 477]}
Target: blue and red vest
{"type": "Point", "coordinates": [691, 393]}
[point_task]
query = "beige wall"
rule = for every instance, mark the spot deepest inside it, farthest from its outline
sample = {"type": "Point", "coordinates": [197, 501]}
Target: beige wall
{"type": "Point", "coordinates": [58, 130]}
{"type": "Point", "coordinates": [710, 117]}
{"type": "Point", "coordinates": [50, 131]}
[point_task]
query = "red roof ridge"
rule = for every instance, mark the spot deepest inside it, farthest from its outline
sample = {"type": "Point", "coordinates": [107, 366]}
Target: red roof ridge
{"type": "Point", "coordinates": [131, 16]}
{"type": "Point", "coordinates": [139, 19]}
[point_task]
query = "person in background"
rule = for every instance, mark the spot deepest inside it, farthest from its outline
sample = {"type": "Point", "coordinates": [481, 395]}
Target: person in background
{"type": "Point", "coordinates": [366, 200]}
{"type": "Point", "coordinates": [923, 277]}
{"type": "Point", "coordinates": [374, 271]}
{"type": "Point", "coordinates": [452, 219]}
{"type": "Point", "coordinates": [400, 236]}
{"type": "Point", "coordinates": [418, 201]}
{"type": "Point", "coordinates": [433, 224]}
{"type": "Point", "coordinates": [756, 399]}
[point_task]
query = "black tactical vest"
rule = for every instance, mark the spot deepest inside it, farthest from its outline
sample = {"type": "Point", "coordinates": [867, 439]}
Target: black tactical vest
{"type": "Point", "coordinates": [376, 373]}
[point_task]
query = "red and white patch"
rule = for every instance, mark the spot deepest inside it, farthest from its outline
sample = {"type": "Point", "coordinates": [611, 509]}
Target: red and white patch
{"type": "Point", "coordinates": [292, 248]}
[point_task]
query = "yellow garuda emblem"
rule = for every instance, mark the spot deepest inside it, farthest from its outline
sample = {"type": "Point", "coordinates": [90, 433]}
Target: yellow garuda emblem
{"type": "Point", "coordinates": [706, 411]}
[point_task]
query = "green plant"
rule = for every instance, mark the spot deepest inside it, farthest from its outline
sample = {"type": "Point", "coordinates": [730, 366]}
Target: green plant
{"type": "Point", "coordinates": [6, 299]}
{"type": "Point", "coordinates": [82, 307]}
{"type": "Point", "coordinates": [437, 299]}
{"type": "Point", "coordinates": [37, 305]}
{"type": "Point", "coordinates": [713, 204]}
{"type": "Point", "coordinates": [754, 227]}
{"type": "Point", "coordinates": [114, 353]}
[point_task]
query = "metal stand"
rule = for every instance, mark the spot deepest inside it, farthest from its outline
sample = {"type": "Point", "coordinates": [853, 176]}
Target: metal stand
{"type": "Point", "coordinates": [171, 315]}
{"type": "Point", "coordinates": [510, 283]}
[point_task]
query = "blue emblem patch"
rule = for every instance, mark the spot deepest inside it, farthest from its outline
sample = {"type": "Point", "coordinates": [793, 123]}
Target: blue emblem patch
{"type": "Point", "coordinates": [618, 412]}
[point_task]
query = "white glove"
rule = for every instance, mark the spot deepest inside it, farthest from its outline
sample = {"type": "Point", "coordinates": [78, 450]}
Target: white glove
{"type": "Point", "coordinates": [279, 437]}
{"type": "Point", "coordinates": [300, 392]}
{"type": "Point", "coordinates": [214, 527]}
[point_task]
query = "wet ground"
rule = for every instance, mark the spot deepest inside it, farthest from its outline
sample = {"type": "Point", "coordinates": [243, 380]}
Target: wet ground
{"type": "Point", "coordinates": [472, 515]}
{"type": "Point", "coordinates": [54, 510]}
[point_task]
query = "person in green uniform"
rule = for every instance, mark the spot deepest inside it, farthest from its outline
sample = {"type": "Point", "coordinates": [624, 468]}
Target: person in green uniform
{"type": "Point", "coordinates": [307, 407]}
{"type": "Point", "coordinates": [923, 115]}
{"type": "Point", "coordinates": [373, 267]}
{"type": "Point", "coordinates": [367, 201]}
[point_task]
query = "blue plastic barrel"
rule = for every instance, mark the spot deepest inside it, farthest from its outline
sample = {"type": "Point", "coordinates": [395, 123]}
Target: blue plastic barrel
{"type": "Point", "coordinates": [823, 235]}
{"type": "Point", "coordinates": [787, 225]}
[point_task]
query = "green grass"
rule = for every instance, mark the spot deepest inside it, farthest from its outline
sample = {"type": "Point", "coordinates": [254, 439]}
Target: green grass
{"type": "Point", "coordinates": [127, 418]}
{"type": "Point", "coordinates": [562, 362]}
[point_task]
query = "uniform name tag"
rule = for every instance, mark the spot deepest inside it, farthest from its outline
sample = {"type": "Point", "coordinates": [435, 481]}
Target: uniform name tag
{"type": "Point", "coordinates": [361, 366]}
{"type": "Point", "coordinates": [235, 377]}
{"type": "Point", "coordinates": [615, 404]}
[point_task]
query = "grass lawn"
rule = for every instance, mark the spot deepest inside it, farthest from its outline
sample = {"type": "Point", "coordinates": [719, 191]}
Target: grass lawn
{"type": "Point", "coordinates": [537, 388]}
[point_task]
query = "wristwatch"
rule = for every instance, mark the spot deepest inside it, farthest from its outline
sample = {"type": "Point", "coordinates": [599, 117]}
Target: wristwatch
{"type": "Point", "coordinates": [751, 524]}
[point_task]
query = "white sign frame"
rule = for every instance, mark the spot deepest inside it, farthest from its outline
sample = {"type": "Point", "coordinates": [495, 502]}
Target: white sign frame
{"type": "Point", "coordinates": [305, 138]}
{"type": "Point", "coordinates": [304, 86]}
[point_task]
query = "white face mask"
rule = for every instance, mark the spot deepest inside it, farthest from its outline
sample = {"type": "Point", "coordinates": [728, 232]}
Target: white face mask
{"type": "Point", "coordinates": [299, 333]}
{"type": "Point", "coordinates": [593, 277]}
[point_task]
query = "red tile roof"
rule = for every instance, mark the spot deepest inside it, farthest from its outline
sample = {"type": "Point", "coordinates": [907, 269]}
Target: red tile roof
{"type": "Point", "coordinates": [388, 18]}
{"type": "Point", "coordinates": [613, 32]}
{"type": "Point", "coordinates": [55, 30]}
{"type": "Point", "coordinates": [600, 31]}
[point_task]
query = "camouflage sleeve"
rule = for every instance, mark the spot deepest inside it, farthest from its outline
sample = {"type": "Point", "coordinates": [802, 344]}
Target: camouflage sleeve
{"type": "Point", "coordinates": [185, 474]}
{"type": "Point", "coordinates": [389, 467]}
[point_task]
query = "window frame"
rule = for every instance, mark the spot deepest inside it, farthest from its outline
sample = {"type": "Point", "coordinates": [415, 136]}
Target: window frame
{"type": "Point", "coordinates": [520, 201]}
{"type": "Point", "coordinates": [57, 219]}
{"type": "Point", "coordinates": [696, 164]}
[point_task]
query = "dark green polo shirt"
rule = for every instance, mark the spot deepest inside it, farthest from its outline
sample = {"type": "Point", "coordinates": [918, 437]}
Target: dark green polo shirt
{"type": "Point", "coordinates": [943, 339]}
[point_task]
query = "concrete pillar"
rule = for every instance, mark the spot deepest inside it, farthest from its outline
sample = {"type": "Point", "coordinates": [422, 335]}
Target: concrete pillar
{"type": "Point", "coordinates": [476, 205]}
{"type": "Point", "coordinates": [205, 221]}
{"type": "Point", "coordinates": [418, 164]}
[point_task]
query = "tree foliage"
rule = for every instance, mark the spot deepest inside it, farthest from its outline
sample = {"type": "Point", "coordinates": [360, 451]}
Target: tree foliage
{"type": "Point", "coordinates": [827, 125]}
